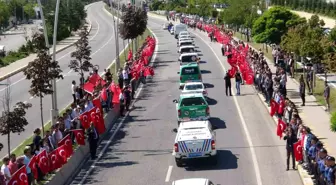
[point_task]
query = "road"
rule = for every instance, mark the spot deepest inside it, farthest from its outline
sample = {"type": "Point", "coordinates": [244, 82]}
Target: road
{"type": "Point", "coordinates": [140, 153]}
{"type": "Point", "coordinates": [103, 53]}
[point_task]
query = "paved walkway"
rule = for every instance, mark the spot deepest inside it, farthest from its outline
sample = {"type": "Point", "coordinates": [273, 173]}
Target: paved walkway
{"type": "Point", "coordinates": [19, 65]}
{"type": "Point", "coordinates": [313, 116]}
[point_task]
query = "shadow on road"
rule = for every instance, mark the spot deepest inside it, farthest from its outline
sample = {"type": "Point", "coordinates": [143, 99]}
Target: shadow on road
{"type": "Point", "coordinates": [205, 71]}
{"type": "Point", "coordinates": [211, 101]}
{"type": "Point", "coordinates": [225, 160]}
{"type": "Point", "coordinates": [207, 85]}
{"type": "Point", "coordinates": [217, 123]}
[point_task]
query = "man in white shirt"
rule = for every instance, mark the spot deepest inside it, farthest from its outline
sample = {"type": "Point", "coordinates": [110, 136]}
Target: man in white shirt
{"type": "Point", "coordinates": [73, 90]}
{"type": "Point", "coordinates": [57, 134]}
{"type": "Point", "coordinates": [5, 169]}
{"type": "Point", "coordinates": [125, 75]}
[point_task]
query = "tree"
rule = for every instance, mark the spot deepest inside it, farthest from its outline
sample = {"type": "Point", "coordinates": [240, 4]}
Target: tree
{"type": "Point", "coordinates": [41, 72]}
{"type": "Point", "coordinates": [273, 24]}
{"type": "Point", "coordinates": [332, 35]}
{"type": "Point", "coordinates": [29, 9]}
{"type": "Point", "coordinates": [81, 62]}
{"type": "Point", "coordinates": [12, 121]}
{"type": "Point", "coordinates": [134, 23]}
{"type": "Point", "coordinates": [4, 13]}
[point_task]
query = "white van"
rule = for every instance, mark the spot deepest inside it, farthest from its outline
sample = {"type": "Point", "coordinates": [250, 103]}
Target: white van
{"type": "Point", "coordinates": [178, 28]}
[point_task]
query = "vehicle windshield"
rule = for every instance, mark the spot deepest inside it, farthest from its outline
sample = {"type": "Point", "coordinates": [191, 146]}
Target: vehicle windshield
{"type": "Point", "coordinates": [187, 50]}
{"type": "Point", "coordinates": [192, 101]}
{"type": "Point", "coordinates": [189, 58]}
{"type": "Point", "coordinates": [193, 87]}
{"type": "Point", "coordinates": [185, 43]}
{"type": "Point", "coordinates": [190, 71]}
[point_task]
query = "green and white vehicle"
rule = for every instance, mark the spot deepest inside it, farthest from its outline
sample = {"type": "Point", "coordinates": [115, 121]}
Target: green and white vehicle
{"type": "Point", "coordinates": [189, 73]}
{"type": "Point", "coordinates": [190, 107]}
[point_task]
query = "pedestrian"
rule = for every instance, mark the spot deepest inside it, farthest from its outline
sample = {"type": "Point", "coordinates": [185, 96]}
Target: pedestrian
{"type": "Point", "coordinates": [73, 91]}
{"type": "Point", "coordinates": [57, 134]}
{"type": "Point", "coordinates": [222, 49]}
{"type": "Point", "coordinates": [5, 170]}
{"type": "Point", "coordinates": [108, 75]}
{"type": "Point", "coordinates": [93, 138]}
{"type": "Point", "coordinates": [127, 97]}
{"type": "Point", "coordinates": [121, 103]}
{"type": "Point", "coordinates": [238, 81]}
{"type": "Point", "coordinates": [13, 166]}
{"type": "Point", "coordinates": [37, 140]}
{"type": "Point", "coordinates": [49, 140]}
{"type": "Point", "coordinates": [227, 80]}
{"type": "Point", "coordinates": [326, 95]}
{"type": "Point", "coordinates": [26, 160]}
{"type": "Point", "coordinates": [302, 90]}
{"type": "Point", "coordinates": [331, 173]}
{"type": "Point", "coordinates": [290, 140]}
{"type": "Point", "coordinates": [125, 75]}
{"type": "Point", "coordinates": [120, 78]}
{"type": "Point", "coordinates": [322, 155]}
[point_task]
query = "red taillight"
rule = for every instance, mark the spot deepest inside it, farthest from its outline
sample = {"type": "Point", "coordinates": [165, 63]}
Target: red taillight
{"type": "Point", "coordinates": [213, 145]}
{"type": "Point", "coordinates": [204, 92]}
{"type": "Point", "coordinates": [199, 76]}
{"type": "Point", "coordinates": [180, 77]}
{"type": "Point", "coordinates": [179, 112]}
{"type": "Point", "coordinates": [208, 110]}
{"type": "Point", "coordinates": [176, 147]}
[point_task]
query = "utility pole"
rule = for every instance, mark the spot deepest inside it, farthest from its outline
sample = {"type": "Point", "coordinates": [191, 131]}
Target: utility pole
{"type": "Point", "coordinates": [117, 36]}
{"type": "Point", "coordinates": [54, 110]}
{"type": "Point", "coordinates": [115, 28]}
{"type": "Point", "coordinates": [135, 41]}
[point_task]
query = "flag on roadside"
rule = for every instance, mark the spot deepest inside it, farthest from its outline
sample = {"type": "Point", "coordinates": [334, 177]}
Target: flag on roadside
{"type": "Point", "coordinates": [32, 165]}
{"type": "Point", "coordinates": [281, 127]}
{"type": "Point", "coordinates": [66, 141]}
{"type": "Point", "coordinates": [79, 134]}
{"type": "Point", "coordinates": [43, 162]}
{"type": "Point", "coordinates": [298, 151]}
{"type": "Point", "coordinates": [85, 120]}
{"type": "Point", "coordinates": [19, 177]}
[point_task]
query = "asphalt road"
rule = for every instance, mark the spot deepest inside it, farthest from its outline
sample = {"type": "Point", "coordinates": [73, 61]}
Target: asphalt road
{"type": "Point", "coordinates": [103, 53]}
{"type": "Point", "coordinates": [141, 151]}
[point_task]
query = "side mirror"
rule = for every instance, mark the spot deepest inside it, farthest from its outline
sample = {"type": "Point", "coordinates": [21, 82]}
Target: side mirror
{"type": "Point", "coordinates": [175, 130]}
{"type": "Point", "coordinates": [178, 72]}
{"type": "Point", "coordinates": [175, 101]}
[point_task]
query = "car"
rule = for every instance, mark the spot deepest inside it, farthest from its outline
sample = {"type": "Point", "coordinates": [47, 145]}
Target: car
{"type": "Point", "coordinates": [183, 33]}
{"type": "Point", "coordinates": [187, 58]}
{"type": "Point", "coordinates": [195, 87]}
{"type": "Point", "coordinates": [191, 107]}
{"type": "Point", "coordinates": [186, 49]}
{"type": "Point", "coordinates": [195, 139]}
{"type": "Point", "coordinates": [184, 40]}
{"type": "Point", "coordinates": [193, 181]}
{"type": "Point", "coordinates": [185, 43]}
{"type": "Point", "coordinates": [172, 31]}
{"type": "Point", "coordinates": [189, 73]}
{"type": "Point", "coordinates": [165, 26]}
{"type": "Point", "coordinates": [185, 37]}
{"type": "Point", "coordinates": [179, 28]}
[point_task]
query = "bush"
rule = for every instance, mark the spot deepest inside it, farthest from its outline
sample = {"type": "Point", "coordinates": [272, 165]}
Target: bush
{"type": "Point", "coordinates": [333, 122]}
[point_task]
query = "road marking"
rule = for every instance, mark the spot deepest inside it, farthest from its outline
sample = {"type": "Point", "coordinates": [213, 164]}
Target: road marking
{"type": "Point", "coordinates": [31, 97]}
{"type": "Point", "coordinates": [170, 169]}
{"type": "Point", "coordinates": [121, 122]}
{"type": "Point", "coordinates": [247, 133]}
{"type": "Point", "coordinates": [98, 28]}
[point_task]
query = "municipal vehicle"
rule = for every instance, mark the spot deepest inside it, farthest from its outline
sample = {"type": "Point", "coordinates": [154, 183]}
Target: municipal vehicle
{"type": "Point", "coordinates": [195, 139]}
{"type": "Point", "coordinates": [191, 107]}
{"type": "Point", "coordinates": [185, 43]}
{"type": "Point", "coordinates": [186, 49]}
{"type": "Point", "coordinates": [185, 37]}
{"type": "Point", "coordinates": [193, 181]}
{"type": "Point", "coordinates": [195, 87]}
{"type": "Point", "coordinates": [189, 73]}
{"type": "Point", "coordinates": [179, 28]}
{"type": "Point", "coordinates": [187, 58]}
{"type": "Point", "coordinates": [183, 33]}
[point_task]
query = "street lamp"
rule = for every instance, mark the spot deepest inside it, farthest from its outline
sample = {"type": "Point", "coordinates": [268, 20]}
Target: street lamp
{"type": "Point", "coordinates": [115, 29]}
{"type": "Point", "coordinates": [54, 110]}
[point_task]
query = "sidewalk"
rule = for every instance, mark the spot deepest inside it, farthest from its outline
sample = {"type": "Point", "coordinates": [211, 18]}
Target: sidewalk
{"type": "Point", "coordinates": [20, 65]}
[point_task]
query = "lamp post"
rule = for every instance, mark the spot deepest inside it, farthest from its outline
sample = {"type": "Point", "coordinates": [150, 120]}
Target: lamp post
{"type": "Point", "coordinates": [115, 28]}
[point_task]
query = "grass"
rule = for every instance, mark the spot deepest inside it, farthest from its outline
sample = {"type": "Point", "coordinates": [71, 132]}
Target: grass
{"type": "Point", "coordinates": [318, 89]}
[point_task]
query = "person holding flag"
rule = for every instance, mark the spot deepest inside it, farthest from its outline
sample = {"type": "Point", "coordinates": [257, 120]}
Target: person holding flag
{"type": "Point", "coordinates": [290, 140]}
{"type": "Point", "coordinates": [93, 138]}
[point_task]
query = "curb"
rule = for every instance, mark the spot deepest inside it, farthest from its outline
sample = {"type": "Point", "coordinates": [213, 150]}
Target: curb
{"type": "Point", "coordinates": [24, 67]}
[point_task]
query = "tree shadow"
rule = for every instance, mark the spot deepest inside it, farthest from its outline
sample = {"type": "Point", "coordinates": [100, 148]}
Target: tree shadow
{"type": "Point", "coordinates": [226, 160]}
{"type": "Point", "coordinates": [200, 54]}
{"type": "Point", "coordinates": [202, 62]}
{"type": "Point", "coordinates": [211, 101]}
{"type": "Point", "coordinates": [205, 71]}
{"type": "Point", "coordinates": [217, 123]}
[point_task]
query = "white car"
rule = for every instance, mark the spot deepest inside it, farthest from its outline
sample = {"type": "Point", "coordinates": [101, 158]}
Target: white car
{"type": "Point", "coordinates": [165, 26]}
{"type": "Point", "coordinates": [186, 49]}
{"type": "Point", "coordinates": [195, 139]}
{"type": "Point", "coordinates": [185, 43]}
{"type": "Point", "coordinates": [184, 39]}
{"type": "Point", "coordinates": [195, 87]}
{"type": "Point", "coordinates": [187, 58]}
{"type": "Point", "coordinates": [172, 30]}
{"type": "Point", "coordinates": [193, 181]}
{"type": "Point", "coordinates": [183, 33]}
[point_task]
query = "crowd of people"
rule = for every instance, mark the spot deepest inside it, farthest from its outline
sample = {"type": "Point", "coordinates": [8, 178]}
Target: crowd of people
{"type": "Point", "coordinates": [301, 144]}
{"type": "Point", "coordinates": [103, 93]}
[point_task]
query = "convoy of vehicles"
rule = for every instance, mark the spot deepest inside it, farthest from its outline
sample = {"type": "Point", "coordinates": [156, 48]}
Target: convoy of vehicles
{"type": "Point", "coordinates": [179, 28]}
{"type": "Point", "coordinates": [189, 73]}
{"type": "Point", "coordinates": [187, 58]}
{"type": "Point", "coordinates": [195, 87]}
{"type": "Point", "coordinates": [186, 49]}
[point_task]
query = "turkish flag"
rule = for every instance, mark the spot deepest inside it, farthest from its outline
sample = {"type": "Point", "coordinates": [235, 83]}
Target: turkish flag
{"type": "Point", "coordinates": [85, 120]}
{"type": "Point", "coordinates": [298, 151]}
{"type": "Point", "coordinates": [281, 127]}
{"type": "Point", "coordinates": [19, 177]}
{"type": "Point", "coordinates": [54, 160]}
{"type": "Point", "coordinates": [88, 87]}
{"type": "Point", "coordinates": [79, 134]}
{"type": "Point", "coordinates": [130, 55]}
{"type": "Point", "coordinates": [249, 79]}
{"type": "Point", "coordinates": [274, 107]}
{"type": "Point", "coordinates": [99, 121]}
{"type": "Point", "coordinates": [66, 141]}
{"type": "Point", "coordinates": [32, 165]}
{"type": "Point", "coordinates": [97, 103]}
{"type": "Point", "coordinates": [103, 94]}
{"type": "Point", "coordinates": [61, 151]}
{"type": "Point", "coordinates": [281, 106]}
{"type": "Point", "coordinates": [43, 162]}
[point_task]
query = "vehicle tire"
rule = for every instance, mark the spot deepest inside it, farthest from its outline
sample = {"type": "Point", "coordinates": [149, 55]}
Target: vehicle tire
{"type": "Point", "coordinates": [178, 162]}
{"type": "Point", "coordinates": [178, 123]}
{"type": "Point", "coordinates": [213, 160]}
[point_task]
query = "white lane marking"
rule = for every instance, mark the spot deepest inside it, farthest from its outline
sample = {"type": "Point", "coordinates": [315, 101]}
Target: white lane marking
{"type": "Point", "coordinates": [120, 123]}
{"type": "Point", "coordinates": [169, 172]}
{"type": "Point", "coordinates": [98, 28]}
{"type": "Point", "coordinates": [31, 97]}
{"type": "Point", "coordinates": [247, 133]}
